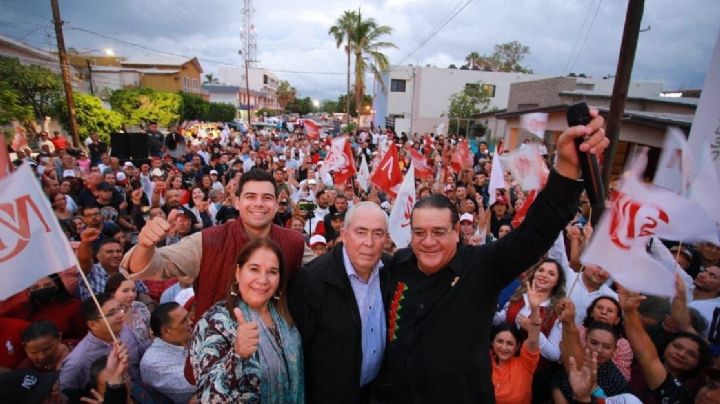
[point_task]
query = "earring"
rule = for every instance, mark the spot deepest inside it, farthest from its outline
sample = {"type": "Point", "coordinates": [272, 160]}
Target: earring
{"type": "Point", "coordinates": [277, 296]}
{"type": "Point", "coordinates": [234, 288]}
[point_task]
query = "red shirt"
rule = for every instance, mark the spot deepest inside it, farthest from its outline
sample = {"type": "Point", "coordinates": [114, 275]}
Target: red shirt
{"type": "Point", "coordinates": [11, 349]}
{"type": "Point", "coordinates": [64, 314]}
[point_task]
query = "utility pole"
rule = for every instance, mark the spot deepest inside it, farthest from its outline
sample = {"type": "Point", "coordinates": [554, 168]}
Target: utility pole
{"type": "Point", "coordinates": [412, 104]}
{"type": "Point", "coordinates": [631, 32]}
{"type": "Point", "coordinates": [89, 66]}
{"type": "Point", "coordinates": [65, 71]}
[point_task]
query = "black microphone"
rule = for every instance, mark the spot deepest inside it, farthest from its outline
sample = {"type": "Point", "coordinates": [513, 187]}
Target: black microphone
{"type": "Point", "coordinates": [579, 114]}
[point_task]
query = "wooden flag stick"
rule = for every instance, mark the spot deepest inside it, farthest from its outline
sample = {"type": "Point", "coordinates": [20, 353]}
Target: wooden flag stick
{"type": "Point", "coordinates": [577, 278]}
{"type": "Point", "coordinates": [92, 295]}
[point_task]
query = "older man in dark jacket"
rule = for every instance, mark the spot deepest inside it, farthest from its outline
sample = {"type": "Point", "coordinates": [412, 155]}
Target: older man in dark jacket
{"type": "Point", "coordinates": [338, 302]}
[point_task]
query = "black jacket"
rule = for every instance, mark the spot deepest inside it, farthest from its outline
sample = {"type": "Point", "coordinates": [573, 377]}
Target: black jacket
{"type": "Point", "coordinates": [440, 345]}
{"type": "Point", "coordinates": [322, 303]}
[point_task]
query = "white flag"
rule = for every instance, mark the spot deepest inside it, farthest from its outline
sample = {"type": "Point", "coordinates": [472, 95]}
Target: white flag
{"type": "Point", "coordinates": [639, 212]}
{"type": "Point", "coordinates": [32, 245]}
{"type": "Point", "coordinates": [440, 130]}
{"type": "Point", "coordinates": [363, 175]}
{"type": "Point", "coordinates": [527, 167]}
{"type": "Point", "coordinates": [534, 123]}
{"type": "Point", "coordinates": [497, 177]}
{"type": "Point", "coordinates": [675, 165]}
{"type": "Point", "coordinates": [704, 187]}
{"type": "Point", "coordinates": [399, 222]}
{"type": "Point", "coordinates": [335, 159]}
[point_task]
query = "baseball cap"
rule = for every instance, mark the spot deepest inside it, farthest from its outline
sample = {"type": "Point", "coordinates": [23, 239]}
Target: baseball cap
{"type": "Point", "coordinates": [68, 173]}
{"type": "Point", "coordinates": [156, 172]}
{"type": "Point", "coordinates": [27, 386]}
{"type": "Point", "coordinates": [466, 217]}
{"type": "Point", "coordinates": [317, 239]}
{"type": "Point", "coordinates": [683, 250]}
{"type": "Point", "coordinates": [213, 172]}
{"type": "Point", "coordinates": [129, 164]}
{"type": "Point", "coordinates": [120, 176]}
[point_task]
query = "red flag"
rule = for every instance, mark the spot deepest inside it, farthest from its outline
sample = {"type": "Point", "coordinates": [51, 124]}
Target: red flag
{"type": "Point", "coordinates": [312, 129]}
{"type": "Point", "coordinates": [522, 212]}
{"type": "Point", "coordinates": [422, 168]}
{"type": "Point", "coordinates": [348, 170]}
{"type": "Point", "coordinates": [388, 175]}
{"type": "Point", "coordinates": [428, 143]}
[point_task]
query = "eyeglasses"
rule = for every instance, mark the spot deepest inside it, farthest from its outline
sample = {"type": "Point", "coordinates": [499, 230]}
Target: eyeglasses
{"type": "Point", "coordinates": [113, 312]}
{"type": "Point", "coordinates": [435, 234]}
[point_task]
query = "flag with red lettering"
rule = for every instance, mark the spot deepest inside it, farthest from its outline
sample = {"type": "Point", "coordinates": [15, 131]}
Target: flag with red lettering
{"type": "Point", "coordinates": [32, 244]}
{"type": "Point", "coordinates": [387, 176]}
{"type": "Point", "coordinates": [640, 212]}
{"type": "Point", "coordinates": [339, 160]}
{"type": "Point", "coordinates": [422, 168]}
{"type": "Point", "coordinates": [399, 222]}
{"type": "Point", "coordinates": [312, 129]}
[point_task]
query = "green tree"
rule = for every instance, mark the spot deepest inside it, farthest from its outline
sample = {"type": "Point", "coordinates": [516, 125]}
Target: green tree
{"type": "Point", "coordinates": [285, 93]}
{"type": "Point", "coordinates": [91, 116]}
{"type": "Point", "coordinates": [220, 112]}
{"type": "Point", "coordinates": [140, 105]}
{"type": "Point", "coordinates": [302, 106]}
{"type": "Point", "coordinates": [342, 31]}
{"type": "Point", "coordinates": [464, 106]}
{"type": "Point", "coordinates": [367, 102]}
{"type": "Point", "coordinates": [33, 86]}
{"type": "Point", "coordinates": [330, 106]}
{"type": "Point", "coordinates": [10, 106]}
{"type": "Point", "coordinates": [211, 79]}
{"type": "Point", "coordinates": [366, 46]}
{"type": "Point", "coordinates": [506, 57]}
{"type": "Point", "coordinates": [193, 107]}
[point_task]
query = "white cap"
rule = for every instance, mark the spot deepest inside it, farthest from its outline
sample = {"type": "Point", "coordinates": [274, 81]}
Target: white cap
{"type": "Point", "coordinates": [156, 172]}
{"type": "Point", "coordinates": [120, 176]}
{"type": "Point", "coordinates": [317, 239]}
{"type": "Point", "coordinates": [466, 217]}
{"type": "Point", "coordinates": [214, 172]}
{"type": "Point", "coordinates": [385, 205]}
{"type": "Point", "coordinates": [184, 295]}
{"type": "Point", "coordinates": [68, 173]}
{"type": "Point", "coordinates": [129, 164]}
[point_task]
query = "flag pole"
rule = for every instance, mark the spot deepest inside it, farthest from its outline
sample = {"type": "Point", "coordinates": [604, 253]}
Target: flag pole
{"type": "Point", "coordinates": [97, 304]}
{"type": "Point", "coordinates": [577, 278]}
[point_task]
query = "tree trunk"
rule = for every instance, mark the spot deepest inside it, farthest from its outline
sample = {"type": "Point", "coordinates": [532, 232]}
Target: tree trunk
{"type": "Point", "coordinates": [347, 97]}
{"type": "Point", "coordinates": [359, 84]}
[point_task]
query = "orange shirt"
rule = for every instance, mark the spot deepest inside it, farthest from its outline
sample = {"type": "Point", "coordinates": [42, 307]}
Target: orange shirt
{"type": "Point", "coordinates": [513, 379]}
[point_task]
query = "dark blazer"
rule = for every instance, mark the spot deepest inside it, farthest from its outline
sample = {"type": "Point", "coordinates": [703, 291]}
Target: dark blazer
{"type": "Point", "coordinates": [323, 305]}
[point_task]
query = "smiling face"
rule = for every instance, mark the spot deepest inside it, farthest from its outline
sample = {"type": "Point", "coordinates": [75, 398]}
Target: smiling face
{"type": "Point", "coordinates": [259, 278]}
{"type": "Point", "coordinates": [546, 277]}
{"type": "Point", "coordinates": [126, 293]}
{"type": "Point", "coordinates": [257, 204]}
{"type": "Point", "coordinates": [504, 345]}
{"type": "Point", "coordinates": [434, 238]}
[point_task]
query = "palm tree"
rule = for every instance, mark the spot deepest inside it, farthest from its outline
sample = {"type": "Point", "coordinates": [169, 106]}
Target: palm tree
{"type": "Point", "coordinates": [366, 35]}
{"type": "Point", "coordinates": [342, 31]}
{"type": "Point", "coordinates": [211, 79]}
{"type": "Point", "coordinates": [285, 93]}
{"type": "Point", "coordinates": [472, 59]}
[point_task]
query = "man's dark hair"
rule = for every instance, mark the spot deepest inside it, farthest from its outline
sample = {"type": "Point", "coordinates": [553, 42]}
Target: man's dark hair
{"type": "Point", "coordinates": [320, 193]}
{"type": "Point", "coordinates": [38, 329]}
{"type": "Point", "coordinates": [160, 317]}
{"type": "Point", "coordinates": [256, 175]}
{"type": "Point", "coordinates": [89, 311]}
{"type": "Point", "coordinates": [83, 208]}
{"type": "Point", "coordinates": [437, 201]}
{"type": "Point", "coordinates": [340, 196]}
{"type": "Point", "coordinates": [107, 241]}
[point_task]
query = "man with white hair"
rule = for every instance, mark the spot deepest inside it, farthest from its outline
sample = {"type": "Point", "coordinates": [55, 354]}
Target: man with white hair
{"type": "Point", "coordinates": [338, 303]}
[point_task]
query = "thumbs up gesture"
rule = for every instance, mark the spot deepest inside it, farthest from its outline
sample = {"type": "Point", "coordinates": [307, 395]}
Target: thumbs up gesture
{"type": "Point", "coordinates": [246, 341]}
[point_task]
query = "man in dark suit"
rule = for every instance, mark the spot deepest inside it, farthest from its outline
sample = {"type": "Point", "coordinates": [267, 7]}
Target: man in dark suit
{"type": "Point", "coordinates": [338, 302]}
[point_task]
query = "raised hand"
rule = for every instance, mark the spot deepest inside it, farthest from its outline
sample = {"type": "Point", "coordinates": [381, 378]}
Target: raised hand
{"type": "Point", "coordinates": [89, 235]}
{"type": "Point", "coordinates": [566, 311]}
{"type": "Point", "coordinates": [246, 341]}
{"type": "Point", "coordinates": [583, 380]}
{"type": "Point", "coordinates": [535, 297]}
{"type": "Point", "coordinates": [629, 300]}
{"type": "Point", "coordinates": [117, 363]}
{"type": "Point", "coordinates": [587, 231]}
{"type": "Point", "coordinates": [155, 230]}
{"type": "Point", "coordinates": [568, 163]}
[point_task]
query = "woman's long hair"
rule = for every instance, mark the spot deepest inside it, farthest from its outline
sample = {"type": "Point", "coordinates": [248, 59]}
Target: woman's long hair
{"type": "Point", "coordinates": [280, 299]}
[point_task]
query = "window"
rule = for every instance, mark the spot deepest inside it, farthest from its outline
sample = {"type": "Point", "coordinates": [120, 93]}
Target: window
{"type": "Point", "coordinates": [489, 89]}
{"type": "Point", "coordinates": [265, 79]}
{"type": "Point", "coordinates": [397, 86]}
{"type": "Point", "coordinates": [472, 87]}
{"type": "Point", "coordinates": [186, 84]}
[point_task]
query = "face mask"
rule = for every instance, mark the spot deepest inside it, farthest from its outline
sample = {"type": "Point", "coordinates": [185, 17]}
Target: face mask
{"type": "Point", "coordinates": [43, 296]}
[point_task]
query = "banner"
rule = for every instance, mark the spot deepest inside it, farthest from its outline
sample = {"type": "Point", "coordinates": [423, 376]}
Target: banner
{"type": "Point", "coordinates": [312, 129]}
{"type": "Point", "coordinates": [527, 167]}
{"type": "Point", "coordinates": [399, 222]}
{"type": "Point", "coordinates": [535, 123]}
{"type": "Point", "coordinates": [32, 244]}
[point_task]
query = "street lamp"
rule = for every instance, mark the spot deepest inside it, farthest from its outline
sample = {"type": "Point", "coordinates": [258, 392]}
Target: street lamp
{"type": "Point", "coordinates": [316, 104]}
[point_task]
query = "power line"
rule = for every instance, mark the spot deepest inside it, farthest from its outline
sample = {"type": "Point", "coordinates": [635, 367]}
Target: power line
{"type": "Point", "coordinates": [577, 39]}
{"type": "Point", "coordinates": [135, 45]}
{"type": "Point", "coordinates": [587, 34]}
{"type": "Point", "coordinates": [432, 35]}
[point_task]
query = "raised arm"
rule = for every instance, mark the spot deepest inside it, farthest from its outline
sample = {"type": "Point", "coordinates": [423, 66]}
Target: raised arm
{"type": "Point", "coordinates": [642, 346]}
{"type": "Point", "coordinates": [570, 345]}
{"type": "Point", "coordinates": [535, 298]}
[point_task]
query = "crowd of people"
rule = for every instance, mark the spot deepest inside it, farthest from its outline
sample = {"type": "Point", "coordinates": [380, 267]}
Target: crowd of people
{"type": "Point", "coordinates": [229, 267]}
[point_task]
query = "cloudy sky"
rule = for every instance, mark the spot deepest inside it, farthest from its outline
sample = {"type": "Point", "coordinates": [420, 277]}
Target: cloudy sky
{"type": "Point", "coordinates": [564, 35]}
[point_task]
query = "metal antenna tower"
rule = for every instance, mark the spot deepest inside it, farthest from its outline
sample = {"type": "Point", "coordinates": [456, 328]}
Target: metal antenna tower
{"type": "Point", "coordinates": [248, 34]}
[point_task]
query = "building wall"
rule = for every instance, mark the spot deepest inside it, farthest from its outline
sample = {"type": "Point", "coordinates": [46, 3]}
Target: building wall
{"type": "Point", "coordinates": [427, 95]}
{"type": "Point", "coordinates": [227, 98]}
